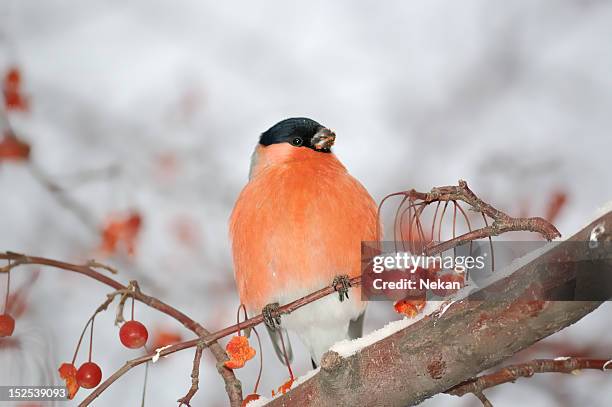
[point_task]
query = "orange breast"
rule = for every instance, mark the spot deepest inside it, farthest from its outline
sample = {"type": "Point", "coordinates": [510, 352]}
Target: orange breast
{"type": "Point", "coordinates": [297, 224]}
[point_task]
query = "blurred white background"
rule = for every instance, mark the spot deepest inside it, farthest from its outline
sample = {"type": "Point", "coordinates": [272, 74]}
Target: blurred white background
{"type": "Point", "coordinates": [154, 107]}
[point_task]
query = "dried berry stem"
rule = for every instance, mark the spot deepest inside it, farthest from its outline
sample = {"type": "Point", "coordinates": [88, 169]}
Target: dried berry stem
{"type": "Point", "coordinates": [502, 222]}
{"type": "Point", "coordinates": [8, 290]}
{"type": "Point", "coordinates": [260, 361]}
{"type": "Point", "coordinates": [101, 308]}
{"type": "Point", "coordinates": [91, 327]}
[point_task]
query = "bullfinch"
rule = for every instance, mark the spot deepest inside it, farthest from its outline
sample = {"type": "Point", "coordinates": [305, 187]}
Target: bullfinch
{"type": "Point", "coordinates": [297, 227]}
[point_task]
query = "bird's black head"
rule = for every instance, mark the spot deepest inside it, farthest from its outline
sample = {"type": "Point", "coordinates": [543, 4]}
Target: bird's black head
{"type": "Point", "coordinates": [299, 132]}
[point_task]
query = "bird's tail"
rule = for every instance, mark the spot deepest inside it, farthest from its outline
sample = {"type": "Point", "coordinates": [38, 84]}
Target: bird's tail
{"type": "Point", "coordinates": [275, 337]}
{"type": "Point", "coordinates": [356, 327]}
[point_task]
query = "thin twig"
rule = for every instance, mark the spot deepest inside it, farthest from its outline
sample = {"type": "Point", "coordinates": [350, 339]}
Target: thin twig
{"type": "Point", "coordinates": [483, 399]}
{"type": "Point", "coordinates": [129, 292]}
{"type": "Point", "coordinates": [232, 384]}
{"type": "Point", "coordinates": [95, 264]}
{"type": "Point", "coordinates": [63, 198]}
{"type": "Point", "coordinates": [513, 372]}
{"type": "Point", "coordinates": [195, 377]}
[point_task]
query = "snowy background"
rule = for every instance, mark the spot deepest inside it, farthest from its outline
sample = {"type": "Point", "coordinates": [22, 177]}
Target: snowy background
{"type": "Point", "coordinates": [154, 107]}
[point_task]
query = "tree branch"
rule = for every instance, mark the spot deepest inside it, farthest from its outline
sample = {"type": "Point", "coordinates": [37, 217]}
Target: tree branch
{"type": "Point", "coordinates": [232, 384]}
{"type": "Point", "coordinates": [441, 351]}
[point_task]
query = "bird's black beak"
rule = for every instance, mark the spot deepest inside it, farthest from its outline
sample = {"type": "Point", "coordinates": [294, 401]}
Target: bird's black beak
{"type": "Point", "coordinates": [323, 139]}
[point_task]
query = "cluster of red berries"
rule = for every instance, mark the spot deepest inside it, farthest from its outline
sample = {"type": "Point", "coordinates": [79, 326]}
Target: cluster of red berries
{"type": "Point", "coordinates": [133, 335]}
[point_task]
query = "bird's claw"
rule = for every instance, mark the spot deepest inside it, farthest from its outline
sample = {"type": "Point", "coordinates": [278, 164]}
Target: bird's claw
{"type": "Point", "coordinates": [342, 284]}
{"type": "Point", "coordinates": [271, 316]}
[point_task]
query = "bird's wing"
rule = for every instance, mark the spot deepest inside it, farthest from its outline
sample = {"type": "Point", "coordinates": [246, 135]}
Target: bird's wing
{"type": "Point", "coordinates": [278, 348]}
{"type": "Point", "coordinates": [356, 327]}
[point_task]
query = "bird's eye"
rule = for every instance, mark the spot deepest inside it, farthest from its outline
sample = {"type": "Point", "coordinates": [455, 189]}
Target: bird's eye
{"type": "Point", "coordinates": [297, 141]}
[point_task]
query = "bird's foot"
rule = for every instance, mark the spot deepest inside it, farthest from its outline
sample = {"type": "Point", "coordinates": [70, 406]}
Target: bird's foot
{"type": "Point", "coordinates": [271, 316]}
{"type": "Point", "coordinates": [342, 284]}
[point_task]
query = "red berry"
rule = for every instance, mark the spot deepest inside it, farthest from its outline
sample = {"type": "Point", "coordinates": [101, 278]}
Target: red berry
{"type": "Point", "coordinates": [7, 325]}
{"type": "Point", "coordinates": [89, 375]}
{"type": "Point", "coordinates": [133, 334]}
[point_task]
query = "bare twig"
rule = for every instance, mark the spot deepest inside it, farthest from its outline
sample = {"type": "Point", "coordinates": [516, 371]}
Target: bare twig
{"type": "Point", "coordinates": [95, 264]}
{"type": "Point", "coordinates": [513, 372]}
{"type": "Point", "coordinates": [63, 198]}
{"type": "Point", "coordinates": [232, 384]}
{"type": "Point", "coordinates": [21, 259]}
{"type": "Point", "coordinates": [129, 292]}
{"type": "Point", "coordinates": [483, 399]}
{"type": "Point", "coordinates": [195, 377]}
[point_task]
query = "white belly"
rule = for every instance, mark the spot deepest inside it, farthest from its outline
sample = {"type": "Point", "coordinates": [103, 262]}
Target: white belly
{"type": "Point", "coordinates": [324, 322]}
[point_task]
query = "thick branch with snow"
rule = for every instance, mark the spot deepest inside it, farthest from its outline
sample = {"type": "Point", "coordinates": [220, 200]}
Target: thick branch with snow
{"type": "Point", "coordinates": [456, 343]}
